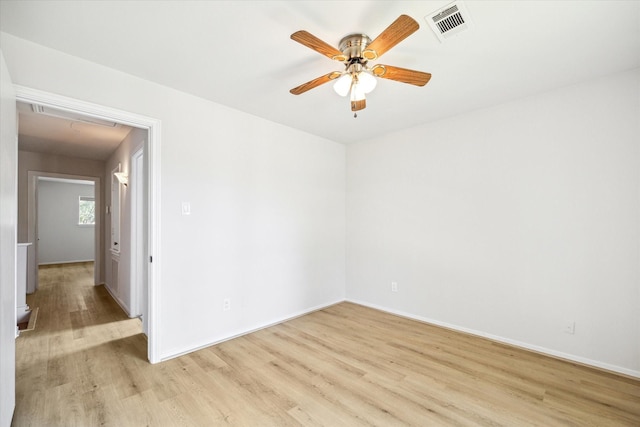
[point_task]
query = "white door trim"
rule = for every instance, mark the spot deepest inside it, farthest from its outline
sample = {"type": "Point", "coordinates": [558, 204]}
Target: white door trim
{"type": "Point", "coordinates": [152, 150]}
{"type": "Point", "coordinates": [138, 256]}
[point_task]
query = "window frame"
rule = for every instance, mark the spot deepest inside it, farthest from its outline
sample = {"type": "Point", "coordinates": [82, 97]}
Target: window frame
{"type": "Point", "coordinates": [82, 199]}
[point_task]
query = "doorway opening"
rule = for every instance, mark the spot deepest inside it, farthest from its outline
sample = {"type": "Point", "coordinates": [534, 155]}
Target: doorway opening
{"type": "Point", "coordinates": [63, 233]}
{"type": "Point", "coordinates": [146, 223]}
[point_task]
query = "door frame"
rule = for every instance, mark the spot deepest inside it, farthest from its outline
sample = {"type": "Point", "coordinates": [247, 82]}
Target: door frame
{"type": "Point", "coordinates": [33, 213]}
{"type": "Point", "coordinates": [152, 151]}
{"type": "Point", "coordinates": [136, 191]}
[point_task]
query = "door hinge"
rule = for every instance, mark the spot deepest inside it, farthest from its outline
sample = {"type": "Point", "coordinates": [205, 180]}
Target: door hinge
{"type": "Point", "coordinates": [150, 259]}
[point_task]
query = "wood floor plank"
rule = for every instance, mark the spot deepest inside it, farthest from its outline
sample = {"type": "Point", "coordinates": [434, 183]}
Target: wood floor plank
{"type": "Point", "coordinates": [347, 365]}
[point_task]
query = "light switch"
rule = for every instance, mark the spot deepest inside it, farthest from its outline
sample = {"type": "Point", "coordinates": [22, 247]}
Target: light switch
{"type": "Point", "coordinates": [186, 208]}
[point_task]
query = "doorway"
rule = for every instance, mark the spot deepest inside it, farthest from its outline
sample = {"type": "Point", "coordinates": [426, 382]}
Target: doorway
{"type": "Point", "coordinates": [149, 250]}
{"type": "Point", "coordinates": [65, 224]}
{"type": "Point", "coordinates": [33, 221]}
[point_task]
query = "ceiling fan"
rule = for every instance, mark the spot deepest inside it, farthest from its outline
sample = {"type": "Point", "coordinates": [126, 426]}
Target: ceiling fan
{"type": "Point", "coordinates": [356, 50]}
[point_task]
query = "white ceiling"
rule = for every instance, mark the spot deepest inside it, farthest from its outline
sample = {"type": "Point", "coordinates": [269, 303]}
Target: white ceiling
{"type": "Point", "coordinates": [238, 53]}
{"type": "Point", "coordinates": [58, 132]}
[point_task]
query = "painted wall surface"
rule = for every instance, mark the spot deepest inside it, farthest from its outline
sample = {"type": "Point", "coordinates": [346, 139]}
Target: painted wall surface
{"type": "Point", "coordinates": [61, 239]}
{"type": "Point", "coordinates": [8, 240]}
{"type": "Point", "coordinates": [120, 287]}
{"type": "Point", "coordinates": [267, 222]}
{"type": "Point", "coordinates": [512, 222]}
{"type": "Point", "coordinates": [54, 164]}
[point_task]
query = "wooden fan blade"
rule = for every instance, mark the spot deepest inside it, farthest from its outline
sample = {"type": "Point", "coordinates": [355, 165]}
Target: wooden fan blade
{"type": "Point", "coordinates": [403, 75]}
{"type": "Point", "coordinates": [358, 105]}
{"type": "Point", "coordinates": [315, 83]}
{"type": "Point", "coordinates": [312, 42]}
{"type": "Point", "coordinates": [399, 30]}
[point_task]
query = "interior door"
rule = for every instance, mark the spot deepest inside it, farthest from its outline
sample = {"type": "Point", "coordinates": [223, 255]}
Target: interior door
{"type": "Point", "coordinates": [8, 241]}
{"type": "Point", "coordinates": [137, 186]}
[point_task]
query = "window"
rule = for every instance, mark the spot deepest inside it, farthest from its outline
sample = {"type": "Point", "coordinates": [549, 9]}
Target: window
{"type": "Point", "coordinates": [86, 211]}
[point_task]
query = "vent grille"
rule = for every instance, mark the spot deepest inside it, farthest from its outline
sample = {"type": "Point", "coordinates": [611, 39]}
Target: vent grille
{"type": "Point", "coordinates": [450, 20]}
{"type": "Point", "coordinates": [39, 109]}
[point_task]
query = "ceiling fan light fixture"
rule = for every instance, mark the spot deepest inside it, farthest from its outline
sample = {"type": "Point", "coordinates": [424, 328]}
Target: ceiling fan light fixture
{"type": "Point", "coordinates": [355, 52]}
{"type": "Point", "coordinates": [357, 92]}
{"type": "Point", "coordinates": [366, 81]}
{"type": "Point", "coordinates": [343, 84]}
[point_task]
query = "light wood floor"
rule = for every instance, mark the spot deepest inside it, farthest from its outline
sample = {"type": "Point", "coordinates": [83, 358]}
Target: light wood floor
{"type": "Point", "coordinates": [85, 365]}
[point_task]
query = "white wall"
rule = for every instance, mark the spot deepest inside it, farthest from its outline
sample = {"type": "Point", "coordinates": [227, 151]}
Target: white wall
{"type": "Point", "coordinates": [61, 239]}
{"type": "Point", "coordinates": [120, 287]}
{"type": "Point", "coordinates": [510, 222]}
{"type": "Point", "coordinates": [267, 223]}
{"type": "Point", "coordinates": [8, 233]}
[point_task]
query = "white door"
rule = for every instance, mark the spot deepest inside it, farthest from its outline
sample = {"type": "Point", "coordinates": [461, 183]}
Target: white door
{"type": "Point", "coordinates": [8, 241]}
{"type": "Point", "coordinates": [139, 264]}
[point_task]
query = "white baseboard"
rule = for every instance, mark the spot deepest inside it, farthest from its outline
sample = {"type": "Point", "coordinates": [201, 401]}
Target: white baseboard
{"type": "Point", "coordinates": [121, 303]}
{"type": "Point", "coordinates": [181, 352]}
{"type": "Point", "coordinates": [66, 262]}
{"type": "Point", "coordinates": [515, 343]}
{"type": "Point", "coordinates": [542, 350]}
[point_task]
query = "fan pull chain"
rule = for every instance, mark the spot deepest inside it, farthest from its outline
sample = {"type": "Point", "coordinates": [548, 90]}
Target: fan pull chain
{"type": "Point", "coordinates": [355, 115]}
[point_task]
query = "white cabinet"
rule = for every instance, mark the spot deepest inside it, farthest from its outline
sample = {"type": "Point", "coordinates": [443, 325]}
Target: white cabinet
{"type": "Point", "coordinates": [22, 309]}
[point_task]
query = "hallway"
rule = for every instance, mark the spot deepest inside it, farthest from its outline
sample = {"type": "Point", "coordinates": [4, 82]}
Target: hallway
{"type": "Point", "coordinates": [83, 352]}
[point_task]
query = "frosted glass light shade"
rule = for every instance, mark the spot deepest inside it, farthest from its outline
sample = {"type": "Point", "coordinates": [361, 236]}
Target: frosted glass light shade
{"type": "Point", "coordinates": [366, 81]}
{"type": "Point", "coordinates": [343, 84]}
{"type": "Point", "coordinates": [357, 94]}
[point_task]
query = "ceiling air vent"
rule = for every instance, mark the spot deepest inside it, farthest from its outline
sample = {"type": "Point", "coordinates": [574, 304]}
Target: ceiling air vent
{"type": "Point", "coordinates": [449, 20]}
{"type": "Point", "coordinates": [37, 108]}
{"type": "Point", "coordinates": [67, 115]}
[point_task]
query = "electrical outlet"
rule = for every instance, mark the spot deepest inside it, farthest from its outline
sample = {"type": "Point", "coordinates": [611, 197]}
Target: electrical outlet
{"type": "Point", "coordinates": [570, 328]}
{"type": "Point", "coordinates": [226, 305]}
{"type": "Point", "coordinates": [394, 286]}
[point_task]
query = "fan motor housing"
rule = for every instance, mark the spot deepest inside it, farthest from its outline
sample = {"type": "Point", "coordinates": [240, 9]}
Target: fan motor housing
{"type": "Point", "coordinates": [353, 45]}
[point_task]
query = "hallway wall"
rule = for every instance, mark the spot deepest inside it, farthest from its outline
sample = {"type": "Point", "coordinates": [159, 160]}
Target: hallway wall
{"type": "Point", "coordinates": [60, 238]}
{"type": "Point", "coordinates": [118, 279]}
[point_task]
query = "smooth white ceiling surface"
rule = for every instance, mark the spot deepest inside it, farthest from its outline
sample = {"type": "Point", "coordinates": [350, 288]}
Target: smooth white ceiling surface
{"type": "Point", "coordinates": [238, 53]}
{"type": "Point", "coordinates": [57, 132]}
